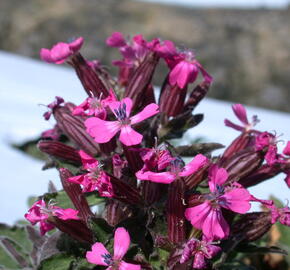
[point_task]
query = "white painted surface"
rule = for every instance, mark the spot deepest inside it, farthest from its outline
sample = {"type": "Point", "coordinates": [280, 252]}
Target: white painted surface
{"type": "Point", "coordinates": [25, 83]}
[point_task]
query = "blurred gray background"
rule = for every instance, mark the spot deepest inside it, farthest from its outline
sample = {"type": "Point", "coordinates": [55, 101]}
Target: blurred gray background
{"type": "Point", "coordinates": [247, 50]}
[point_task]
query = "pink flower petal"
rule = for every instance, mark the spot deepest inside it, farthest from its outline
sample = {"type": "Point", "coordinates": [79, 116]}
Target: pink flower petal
{"type": "Point", "coordinates": [66, 214]}
{"type": "Point", "coordinates": [45, 55]}
{"type": "Point", "coordinates": [230, 124]}
{"type": "Point", "coordinates": [199, 261]}
{"type": "Point", "coordinates": [147, 112]}
{"type": "Point", "coordinates": [76, 179]}
{"type": "Point", "coordinates": [180, 74]}
{"type": "Point", "coordinates": [116, 40]}
{"type": "Point", "coordinates": [45, 227]}
{"type": "Point", "coordinates": [129, 266]}
{"type": "Point", "coordinates": [241, 113]}
{"type": "Point", "coordinates": [193, 166]}
{"type": "Point", "coordinates": [87, 160]}
{"type": "Point", "coordinates": [102, 131]}
{"type": "Point", "coordinates": [286, 150]}
{"type": "Point", "coordinates": [97, 255]}
{"type": "Point", "coordinates": [121, 243]}
{"type": "Point", "coordinates": [76, 45]}
{"type": "Point", "coordinates": [129, 136]}
{"type": "Point", "coordinates": [215, 226]}
{"type": "Point", "coordinates": [197, 214]}
{"type": "Point", "coordinates": [236, 200]}
{"type": "Point", "coordinates": [161, 177]}
{"type": "Point", "coordinates": [60, 52]}
{"type": "Point", "coordinates": [117, 104]}
{"type": "Point", "coordinates": [217, 177]}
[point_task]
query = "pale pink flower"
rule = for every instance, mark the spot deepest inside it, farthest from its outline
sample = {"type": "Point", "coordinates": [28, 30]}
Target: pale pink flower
{"type": "Point", "coordinates": [241, 113]}
{"type": "Point", "coordinates": [95, 178]}
{"type": "Point", "coordinates": [200, 250]}
{"type": "Point", "coordinates": [101, 256]}
{"type": "Point", "coordinates": [60, 52]}
{"type": "Point", "coordinates": [186, 71]}
{"type": "Point", "coordinates": [104, 131]}
{"type": "Point", "coordinates": [39, 212]}
{"type": "Point", "coordinates": [176, 170]}
{"type": "Point", "coordinates": [208, 215]}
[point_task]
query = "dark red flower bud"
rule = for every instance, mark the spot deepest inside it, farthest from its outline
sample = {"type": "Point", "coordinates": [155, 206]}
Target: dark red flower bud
{"type": "Point", "coordinates": [172, 98]}
{"type": "Point", "coordinates": [77, 229]}
{"type": "Point", "coordinates": [252, 226]}
{"type": "Point", "coordinates": [115, 212]}
{"type": "Point", "coordinates": [125, 192]}
{"type": "Point", "coordinates": [240, 143]}
{"type": "Point", "coordinates": [151, 192]}
{"type": "Point", "coordinates": [141, 79]}
{"type": "Point", "coordinates": [74, 128]}
{"type": "Point", "coordinates": [243, 163]}
{"type": "Point", "coordinates": [60, 151]}
{"type": "Point", "coordinates": [197, 94]}
{"type": "Point", "coordinates": [176, 223]}
{"type": "Point", "coordinates": [196, 178]}
{"type": "Point", "coordinates": [74, 192]}
{"type": "Point", "coordinates": [89, 78]}
{"type": "Point", "coordinates": [265, 172]}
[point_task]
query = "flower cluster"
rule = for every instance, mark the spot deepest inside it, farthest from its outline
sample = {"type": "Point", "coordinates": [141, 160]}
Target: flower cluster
{"type": "Point", "coordinates": [117, 144]}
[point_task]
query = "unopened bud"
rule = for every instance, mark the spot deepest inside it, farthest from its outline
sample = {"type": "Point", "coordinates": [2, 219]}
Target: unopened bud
{"type": "Point", "coordinates": [60, 151]}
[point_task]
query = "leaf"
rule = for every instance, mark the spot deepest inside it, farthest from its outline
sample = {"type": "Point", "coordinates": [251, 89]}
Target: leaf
{"type": "Point", "coordinates": [197, 148]}
{"type": "Point", "coordinates": [252, 248]}
{"type": "Point", "coordinates": [101, 229]}
{"type": "Point", "coordinates": [57, 262]}
{"type": "Point", "coordinates": [94, 199]}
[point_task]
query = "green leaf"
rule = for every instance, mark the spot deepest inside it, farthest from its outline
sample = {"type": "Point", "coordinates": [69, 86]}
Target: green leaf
{"type": "Point", "coordinates": [57, 262]}
{"type": "Point", "coordinates": [101, 229]}
{"type": "Point", "coordinates": [236, 266]}
{"type": "Point", "coordinates": [94, 199]}
{"type": "Point", "coordinates": [252, 248]}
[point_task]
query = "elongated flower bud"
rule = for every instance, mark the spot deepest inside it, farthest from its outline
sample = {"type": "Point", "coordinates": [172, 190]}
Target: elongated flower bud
{"type": "Point", "coordinates": [197, 94]}
{"type": "Point", "coordinates": [252, 226]}
{"type": "Point", "coordinates": [74, 192]}
{"type": "Point", "coordinates": [176, 223]}
{"type": "Point", "coordinates": [124, 192]}
{"type": "Point", "coordinates": [115, 212]}
{"type": "Point", "coordinates": [141, 78]}
{"type": "Point", "coordinates": [60, 151]}
{"type": "Point", "coordinates": [74, 128]}
{"type": "Point", "coordinates": [172, 99]}
{"type": "Point", "coordinates": [196, 178]}
{"type": "Point", "coordinates": [152, 192]}
{"type": "Point", "coordinates": [243, 163]}
{"type": "Point", "coordinates": [240, 143]}
{"type": "Point", "coordinates": [260, 175]}
{"type": "Point", "coordinates": [90, 80]}
{"type": "Point", "coordinates": [77, 229]}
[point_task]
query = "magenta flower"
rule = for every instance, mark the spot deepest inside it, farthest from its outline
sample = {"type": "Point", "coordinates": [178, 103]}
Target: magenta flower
{"type": "Point", "coordinates": [39, 212]}
{"type": "Point", "coordinates": [241, 113]}
{"type": "Point", "coordinates": [186, 71]}
{"type": "Point", "coordinates": [208, 215]}
{"type": "Point", "coordinates": [96, 178]}
{"type": "Point", "coordinates": [93, 106]}
{"type": "Point", "coordinates": [103, 131]}
{"type": "Point", "coordinates": [176, 170]}
{"type": "Point", "coordinates": [61, 51]}
{"type": "Point", "coordinates": [286, 150]}
{"type": "Point", "coordinates": [101, 256]}
{"type": "Point", "coordinates": [51, 106]}
{"type": "Point", "coordinates": [200, 250]}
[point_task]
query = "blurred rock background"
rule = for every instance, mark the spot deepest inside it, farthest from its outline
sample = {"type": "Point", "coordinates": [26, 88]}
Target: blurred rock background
{"type": "Point", "coordinates": [246, 51]}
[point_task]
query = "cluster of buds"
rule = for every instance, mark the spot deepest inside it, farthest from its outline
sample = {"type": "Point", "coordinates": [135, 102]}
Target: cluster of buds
{"type": "Point", "coordinates": [117, 142]}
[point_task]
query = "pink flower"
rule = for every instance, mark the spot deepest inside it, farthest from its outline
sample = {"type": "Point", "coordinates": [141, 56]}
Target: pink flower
{"type": "Point", "coordinates": [104, 131]}
{"type": "Point", "coordinates": [96, 178]}
{"type": "Point", "coordinates": [176, 170]}
{"type": "Point", "coordinates": [186, 71]}
{"type": "Point", "coordinates": [93, 106]}
{"type": "Point", "coordinates": [208, 215]}
{"type": "Point", "coordinates": [241, 113]}
{"type": "Point", "coordinates": [51, 106]}
{"type": "Point", "coordinates": [101, 256]}
{"type": "Point", "coordinates": [61, 51]}
{"type": "Point", "coordinates": [286, 150]}
{"type": "Point", "coordinates": [200, 250]}
{"type": "Point", "coordinates": [116, 40]}
{"type": "Point", "coordinates": [40, 212]}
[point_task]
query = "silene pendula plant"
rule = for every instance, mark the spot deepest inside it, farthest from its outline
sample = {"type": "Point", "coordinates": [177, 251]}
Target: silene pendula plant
{"type": "Point", "coordinates": [129, 199]}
